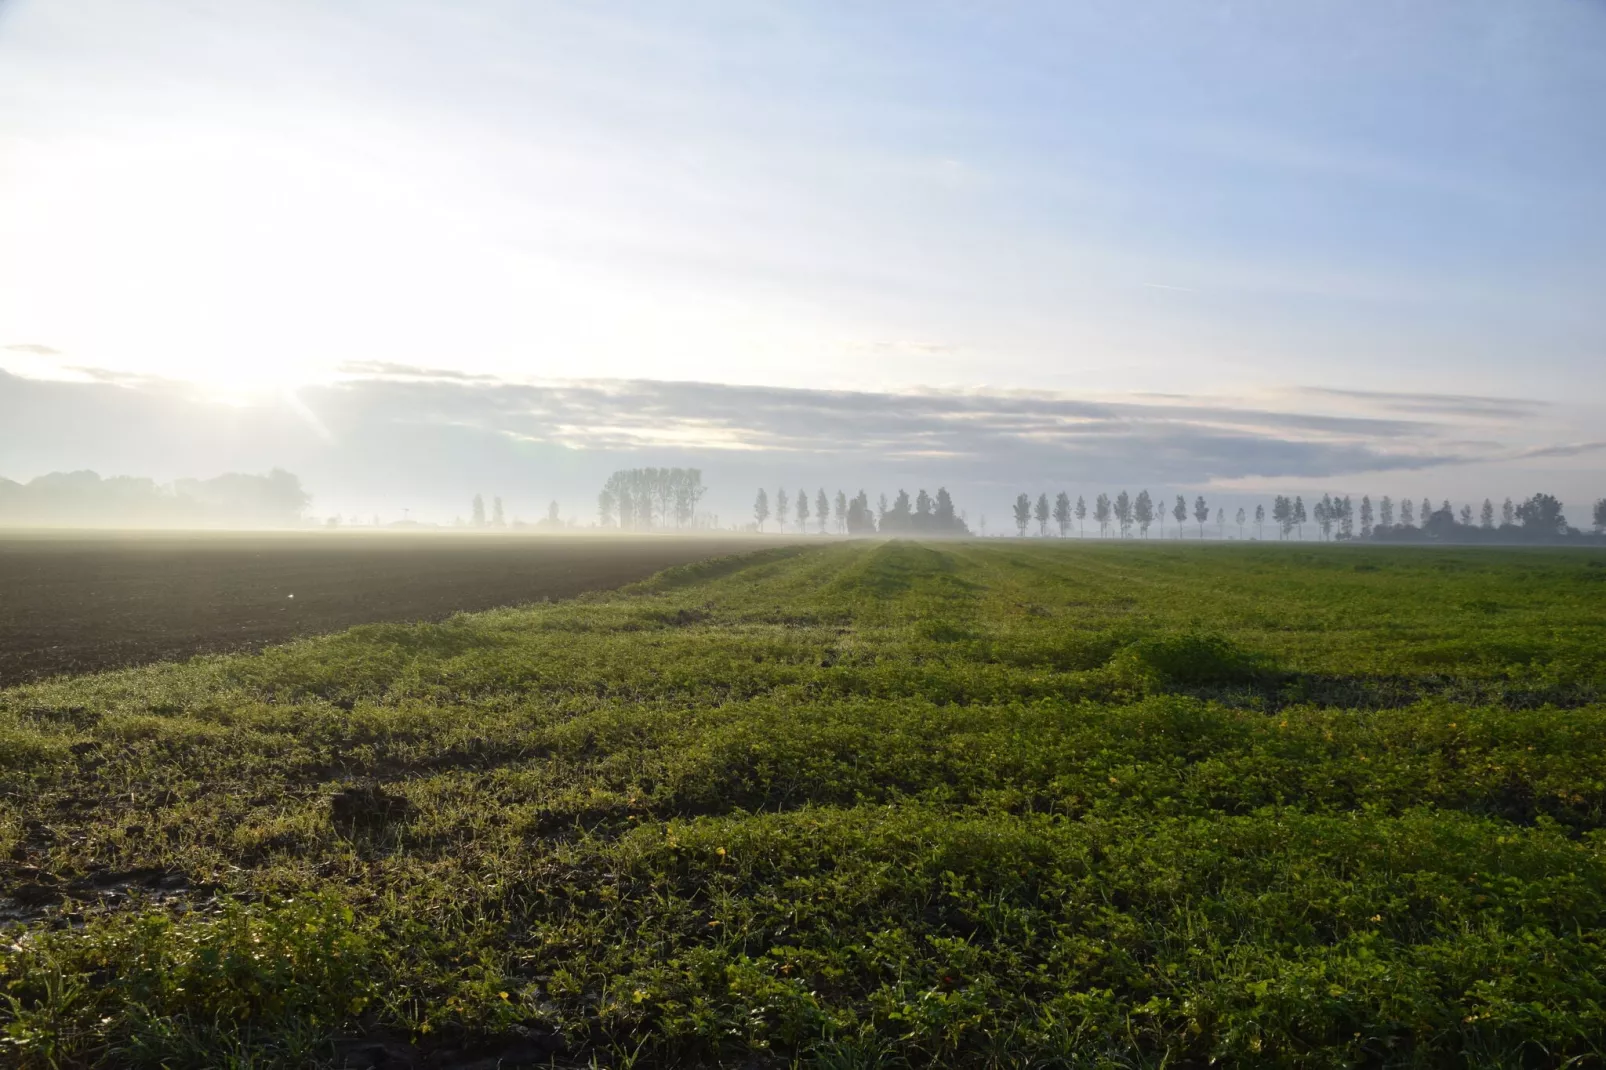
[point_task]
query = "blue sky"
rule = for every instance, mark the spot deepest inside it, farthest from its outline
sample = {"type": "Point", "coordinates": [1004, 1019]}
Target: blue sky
{"type": "Point", "coordinates": [1184, 207]}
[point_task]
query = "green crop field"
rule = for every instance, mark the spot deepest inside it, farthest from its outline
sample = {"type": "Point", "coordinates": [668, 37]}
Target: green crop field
{"type": "Point", "coordinates": [847, 805]}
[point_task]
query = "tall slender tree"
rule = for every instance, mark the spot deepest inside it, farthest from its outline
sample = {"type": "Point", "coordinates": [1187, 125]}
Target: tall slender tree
{"type": "Point", "coordinates": [1299, 514]}
{"type": "Point", "coordinates": [1201, 513]}
{"type": "Point", "coordinates": [1023, 514]}
{"type": "Point", "coordinates": [1123, 513]}
{"type": "Point", "coordinates": [627, 506]}
{"type": "Point", "coordinates": [881, 511]}
{"type": "Point", "coordinates": [663, 492]}
{"type": "Point", "coordinates": [688, 492]}
{"type": "Point", "coordinates": [841, 512]}
{"type": "Point", "coordinates": [901, 516]}
{"type": "Point", "coordinates": [1599, 517]}
{"type": "Point", "coordinates": [1062, 512]}
{"type": "Point", "coordinates": [641, 497]}
{"type": "Point", "coordinates": [1081, 517]}
{"type": "Point", "coordinates": [1408, 513]}
{"type": "Point", "coordinates": [783, 509]}
{"type": "Point", "coordinates": [861, 521]}
{"type": "Point", "coordinates": [1282, 511]}
{"type": "Point", "coordinates": [605, 507]}
{"type": "Point", "coordinates": [1260, 519]}
{"type": "Point", "coordinates": [1366, 516]}
{"type": "Point", "coordinates": [1040, 513]}
{"type": "Point", "coordinates": [1486, 517]}
{"type": "Point", "coordinates": [1101, 513]}
{"type": "Point", "coordinates": [1508, 513]}
{"type": "Point", "coordinates": [1241, 519]}
{"type": "Point", "coordinates": [802, 511]}
{"type": "Point", "coordinates": [1180, 511]}
{"type": "Point", "coordinates": [822, 510]}
{"type": "Point", "coordinates": [761, 508]}
{"type": "Point", "coordinates": [1466, 516]}
{"type": "Point", "coordinates": [1143, 510]}
{"type": "Point", "coordinates": [479, 511]}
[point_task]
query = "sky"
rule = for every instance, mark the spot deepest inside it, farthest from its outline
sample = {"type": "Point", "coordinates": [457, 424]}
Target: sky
{"type": "Point", "coordinates": [411, 249]}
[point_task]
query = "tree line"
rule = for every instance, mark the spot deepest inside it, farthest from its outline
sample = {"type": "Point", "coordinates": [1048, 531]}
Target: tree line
{"type": "Point", "coordinates": [924, 514]}
{"type": "Point", "coordinates": [234, 499]}
{"type": "Point", "coordinates": [1334, 518]}
{"type": "Point", "coordinates": [648, 499]}
{"type": "Point", "coordinates": [497, 516]}
{"type": "Point", "coordinates": [1122, 514]}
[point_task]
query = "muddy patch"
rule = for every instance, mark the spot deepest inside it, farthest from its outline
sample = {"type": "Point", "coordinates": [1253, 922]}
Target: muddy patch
{"type": "Point", "coordinates": [28, 894]}
{"type": "Point", "coordinates": [525, 1046]}
{"type": "Point", "coordinates": [368, 809]}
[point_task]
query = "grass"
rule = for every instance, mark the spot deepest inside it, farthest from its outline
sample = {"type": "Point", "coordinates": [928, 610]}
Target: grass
{"type": "Point", "coordinates": [866, 804]}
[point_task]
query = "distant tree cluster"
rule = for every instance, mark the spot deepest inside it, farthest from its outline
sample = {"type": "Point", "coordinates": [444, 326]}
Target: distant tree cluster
{"type": "Point", "coordinates": [649, 499]}
{"type": "Point", "coordinates": [842, 515]}
{"type": "Point", "coordinates": [495, 518]}
{"type": "Point", "coordinates": [477, 517]}
{"type": "Point", "coordinates": [1289, 515]}
{"type": "Point", "coordinates": [1336, 518]}
{"type": "Point", "coordinates": [1538, 519]}
{"type": "Point", "coordinates": [1123, 515]}
{"type": "Point", "coordinates": [78, 499]}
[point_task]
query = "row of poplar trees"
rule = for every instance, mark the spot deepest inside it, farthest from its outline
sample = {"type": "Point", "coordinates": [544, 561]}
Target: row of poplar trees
{"type": "Point", "coordinates": [922, 514]}
{"type": "Point", "coordinates": [1123, 513]}
{"type": "Point", "coordinates": [642, 499]}
{"type": "Point", "coordinates": [1335, 517]}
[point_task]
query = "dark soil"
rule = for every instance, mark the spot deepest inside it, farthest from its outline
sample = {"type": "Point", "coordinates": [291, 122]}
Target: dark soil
{"type": "Point", "coordinates": [82, 603]}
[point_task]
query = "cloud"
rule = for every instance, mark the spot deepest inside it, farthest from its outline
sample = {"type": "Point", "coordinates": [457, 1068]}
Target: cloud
{"type": "Point", "coordinates": [131, 380]}
{"type": "Point", "coordinates": [1566, 450]}
{"type": "Point", "coordinates": [981, 434]}
{"type": "Point", "coordinates": [908, 346]}
{"type": "Point", "coordinates": [403, 435]}
{"type": "Point", "coordinates": [370, 368]}
{"type": "Point", "coordinates": [36, 350]}
{"type": "Point", "coordinates": [1443, 404]}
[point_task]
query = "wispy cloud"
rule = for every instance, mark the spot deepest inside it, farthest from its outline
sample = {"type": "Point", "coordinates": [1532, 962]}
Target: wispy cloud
{"type": "Point", "coordinates": [915, 347]}
{"type": "Point", "coordinates": [407, 433]}
{"type": "Point", "coordinates": [1572, 449]}
{"type": "Point", "coordinates": [36, 350]}
{"type": "Point", "coordinates": [371, 368]}
{"type": "Point", "coordinates": [1442, 404]}
{"type": "Point", "coordinates": [1180, 439]}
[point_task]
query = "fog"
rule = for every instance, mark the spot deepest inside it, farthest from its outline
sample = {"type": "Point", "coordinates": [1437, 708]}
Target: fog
{"type": "Point", "coordinates": [409, 445]}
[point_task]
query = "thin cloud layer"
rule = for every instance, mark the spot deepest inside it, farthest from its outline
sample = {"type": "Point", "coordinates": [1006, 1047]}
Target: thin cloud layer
{"type": "Point", "coordinates": [389, 435]}
{"type": "Point", "coordinates": [1441, 404]}
{"type": "Point", "coordinates": [1188, 441]}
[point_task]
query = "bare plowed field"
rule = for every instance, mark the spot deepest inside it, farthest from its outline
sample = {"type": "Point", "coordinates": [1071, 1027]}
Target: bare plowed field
{"type": "Point", "coordinates": [82, 603]}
